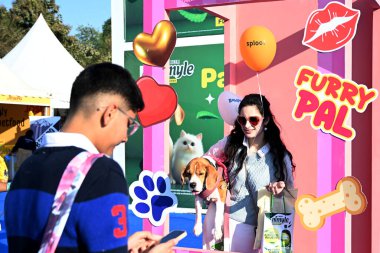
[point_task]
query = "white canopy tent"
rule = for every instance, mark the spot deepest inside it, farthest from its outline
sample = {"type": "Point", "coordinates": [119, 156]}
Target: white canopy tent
{"type": "Point", "coordinates": [44, 64]}
{"type": "Point", "coordinates": [13, 89]}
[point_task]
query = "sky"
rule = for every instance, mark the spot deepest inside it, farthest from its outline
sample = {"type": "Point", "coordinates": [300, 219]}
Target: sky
{"type": "Point", "coordinates": [80, 12]}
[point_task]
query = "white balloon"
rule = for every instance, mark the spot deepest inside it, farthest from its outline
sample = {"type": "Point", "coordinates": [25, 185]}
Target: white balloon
{"type": "Point", "coordinates": [228, 106]}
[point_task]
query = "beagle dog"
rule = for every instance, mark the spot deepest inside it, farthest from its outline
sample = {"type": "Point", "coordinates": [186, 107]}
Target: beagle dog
{"type": "Point", "coordinates": [207, 183]}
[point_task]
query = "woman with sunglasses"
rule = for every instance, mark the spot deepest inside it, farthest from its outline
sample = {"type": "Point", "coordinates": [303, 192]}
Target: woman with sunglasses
{"type": "Point", "coordinates": [255, 157]}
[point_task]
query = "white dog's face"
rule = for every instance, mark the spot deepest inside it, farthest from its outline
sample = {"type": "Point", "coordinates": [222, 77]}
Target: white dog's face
{"type": "Point", "coordinates": [200, 174]}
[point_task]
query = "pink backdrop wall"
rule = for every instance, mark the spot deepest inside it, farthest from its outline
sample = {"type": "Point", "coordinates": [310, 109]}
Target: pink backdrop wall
{"type": "Point", "coordinates": [365, 150]}
{"type": "Point", "coordinates": [277, 85]}
{"type": "Point", "coordinates": [320, 158]}
{"type": "Point", "coordinates": [376, 134]}
{"type": "Point", "coordinates": [154, 137]}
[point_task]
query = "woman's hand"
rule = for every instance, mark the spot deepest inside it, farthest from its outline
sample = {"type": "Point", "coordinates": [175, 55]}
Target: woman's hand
{"type": "Point", "coordinates": [276, 187]}
{"type": "Point", "coordinates": [141, 241]}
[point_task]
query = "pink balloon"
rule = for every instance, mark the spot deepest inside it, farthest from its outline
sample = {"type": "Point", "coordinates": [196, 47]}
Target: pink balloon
{"type": "Point", "coordinates": [228, 106]}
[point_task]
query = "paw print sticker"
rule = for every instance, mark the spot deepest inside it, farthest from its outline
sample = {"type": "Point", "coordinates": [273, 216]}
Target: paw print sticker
{"type": "Point", "coordinates": [152, 197]}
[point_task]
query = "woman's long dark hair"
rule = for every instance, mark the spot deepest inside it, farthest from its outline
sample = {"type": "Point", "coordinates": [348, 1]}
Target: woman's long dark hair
{"type": "Point", "coordinates": [234, 151]}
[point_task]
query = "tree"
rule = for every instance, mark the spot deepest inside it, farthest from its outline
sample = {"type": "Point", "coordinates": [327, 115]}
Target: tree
{"type": "Point", "coordinates": [9, 34]}
{"type": "Point", "coordinates": [106, 40]}
{"type": "Point", "coordinates": [106, 35]}
{"type": "Point", "coordinates": [24, 14]}
{"type": "Point", "coordinates": [95, 45]}
{"type": "Point", "coordinates": [87, 47]}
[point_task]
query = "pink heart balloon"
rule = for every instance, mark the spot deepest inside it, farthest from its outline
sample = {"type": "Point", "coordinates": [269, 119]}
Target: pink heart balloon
{"type": "Point", "coordinates": [160, 101]}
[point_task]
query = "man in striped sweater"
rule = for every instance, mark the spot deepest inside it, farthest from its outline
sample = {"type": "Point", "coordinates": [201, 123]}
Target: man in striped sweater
{"type": "Point", "coordinates": [103, 105]}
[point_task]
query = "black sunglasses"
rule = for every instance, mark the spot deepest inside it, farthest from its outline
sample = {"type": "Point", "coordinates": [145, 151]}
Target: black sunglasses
{"type": "Point", "coordinates": [252, 120]}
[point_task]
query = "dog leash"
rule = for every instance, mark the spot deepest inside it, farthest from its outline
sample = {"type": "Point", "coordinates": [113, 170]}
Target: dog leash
{"type": "Point", "coordinates": [225, 172]}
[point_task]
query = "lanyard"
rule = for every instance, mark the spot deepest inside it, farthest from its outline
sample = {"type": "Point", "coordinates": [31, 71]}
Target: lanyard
{"type": "Point", "coordinates": [68, 187]}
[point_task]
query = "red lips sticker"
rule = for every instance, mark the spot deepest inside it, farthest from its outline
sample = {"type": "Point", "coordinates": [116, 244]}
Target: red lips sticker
{"type": "Point", "coordinates": [330, 28]}
{"type": "Point", "coordinates": [160, 101]}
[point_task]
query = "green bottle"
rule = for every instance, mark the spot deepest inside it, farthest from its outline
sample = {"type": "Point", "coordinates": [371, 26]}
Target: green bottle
{"type": "Point", "coordinates": [286, 241]}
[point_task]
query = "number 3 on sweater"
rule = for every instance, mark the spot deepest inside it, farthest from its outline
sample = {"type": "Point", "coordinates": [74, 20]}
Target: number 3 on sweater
{"type": "Point", "coordinates": [120, 211]}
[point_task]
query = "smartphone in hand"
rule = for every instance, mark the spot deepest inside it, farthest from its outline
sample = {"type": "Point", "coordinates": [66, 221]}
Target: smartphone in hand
{"type": "Point", "coordinates": [179, 234]}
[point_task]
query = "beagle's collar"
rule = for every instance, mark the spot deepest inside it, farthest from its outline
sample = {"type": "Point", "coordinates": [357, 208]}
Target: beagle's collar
{"type": "Point", "coordinates": [222, 173]}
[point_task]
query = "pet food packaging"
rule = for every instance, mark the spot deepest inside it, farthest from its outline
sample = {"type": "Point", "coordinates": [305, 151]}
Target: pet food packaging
{"type": "Point", "coordinates": [275, 221]}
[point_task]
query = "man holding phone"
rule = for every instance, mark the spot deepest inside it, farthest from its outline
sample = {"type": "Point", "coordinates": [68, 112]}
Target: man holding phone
{"type": "Point", "coordinates": [145, 241]}
{"type": "Point", "coordinates": [103, 106]}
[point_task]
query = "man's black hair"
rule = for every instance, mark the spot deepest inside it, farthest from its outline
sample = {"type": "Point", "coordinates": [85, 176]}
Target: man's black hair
{"type": "Point", "coordinates": [106, 78]}
{"type": "Point", "coordinates": [29, 133]}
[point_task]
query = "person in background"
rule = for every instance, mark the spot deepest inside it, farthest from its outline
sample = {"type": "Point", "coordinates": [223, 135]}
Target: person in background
{"type": "Point", "coordinates": [24, 147]}
{"type": "Point", "coordinates": [255, 157]}
{"type": "Point", "coordinates": [103, 106]}
{"type": "Point", "coordinates": [3, 175]}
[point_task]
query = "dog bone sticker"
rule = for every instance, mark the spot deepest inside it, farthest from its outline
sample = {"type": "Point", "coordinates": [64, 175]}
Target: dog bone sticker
{"type": "Point", "coordinates": [348, 196]}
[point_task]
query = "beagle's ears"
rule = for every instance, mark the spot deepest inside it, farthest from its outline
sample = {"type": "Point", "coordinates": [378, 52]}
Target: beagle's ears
{"type": "Point", "coordinates": [212, 177]}
{"type": "Point", "coordinates": [185, 173]}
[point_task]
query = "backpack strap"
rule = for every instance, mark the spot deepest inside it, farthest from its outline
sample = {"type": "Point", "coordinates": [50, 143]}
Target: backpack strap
{"type": "Point", "coordinates": [68, 187]}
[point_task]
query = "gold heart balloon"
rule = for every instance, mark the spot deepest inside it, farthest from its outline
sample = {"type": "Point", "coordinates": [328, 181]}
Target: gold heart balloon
{"type": "Point", "coordinates": [155, 49]}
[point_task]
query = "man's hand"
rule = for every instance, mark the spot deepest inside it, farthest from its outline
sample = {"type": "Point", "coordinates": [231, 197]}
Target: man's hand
{"type": "Point", "coordinates": [146, 242]}
{"type": "Point", "coordinates": [141, 241]}
{"type": "Point", "coordinates": [276, 187]}
{"type": "Point", "coordinates": [166, 247]}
